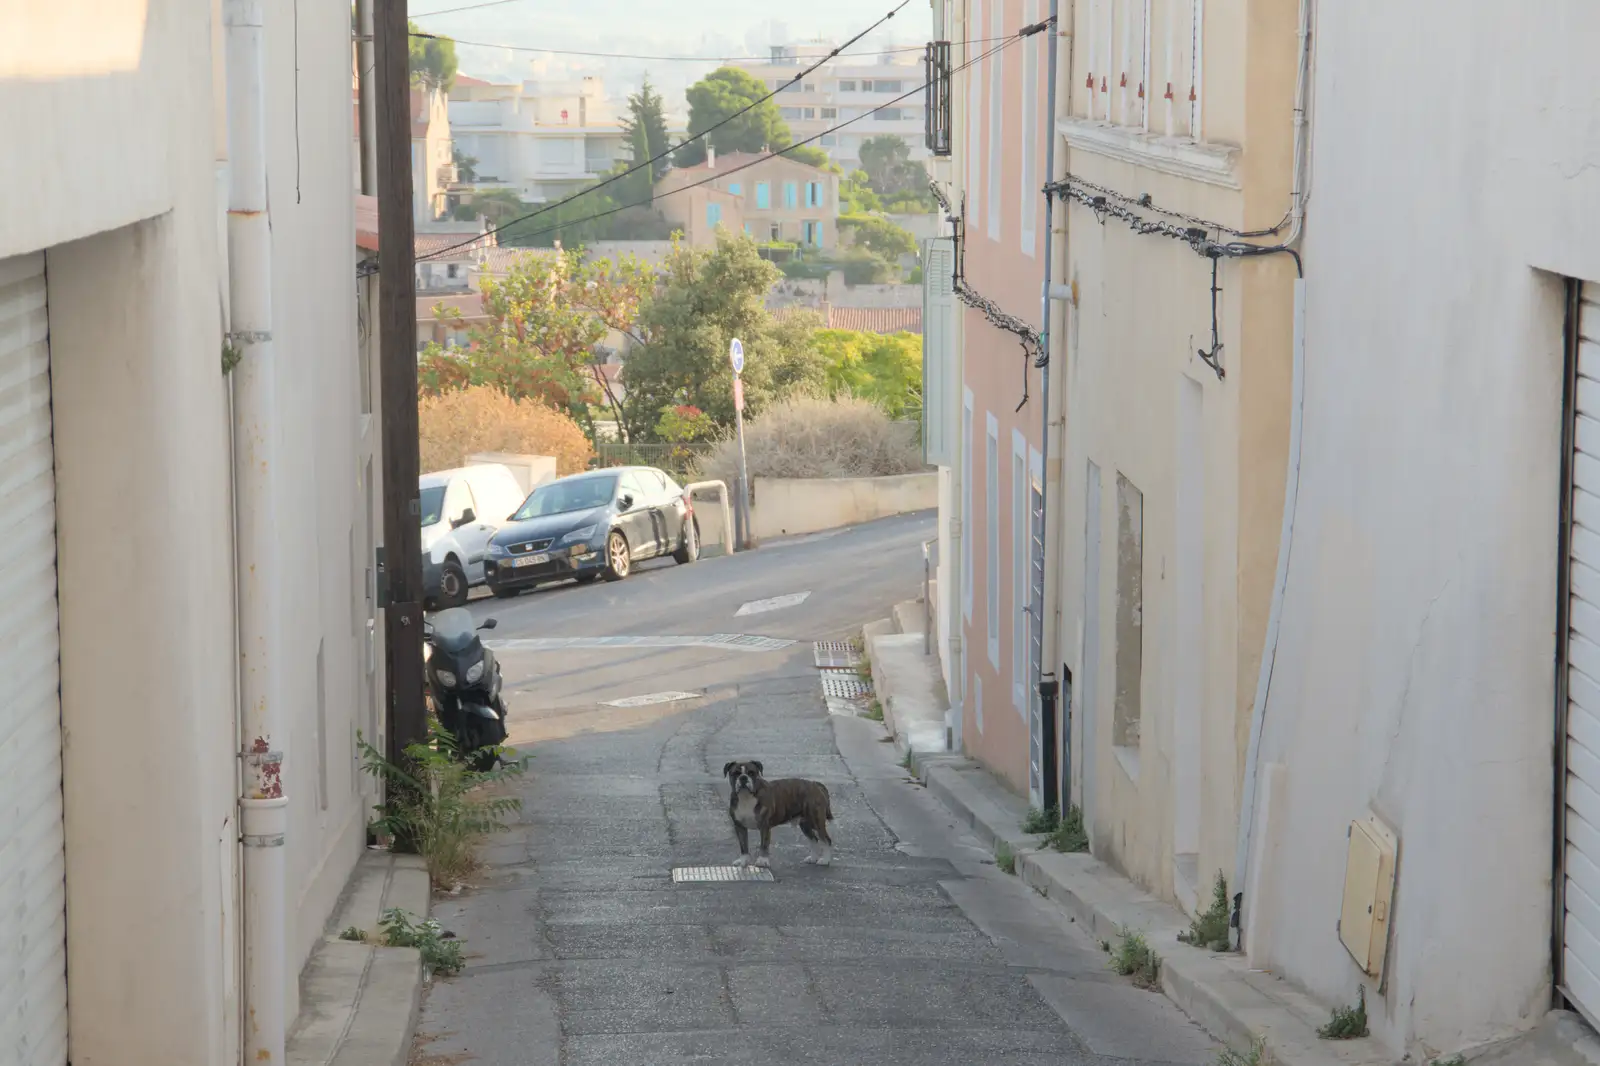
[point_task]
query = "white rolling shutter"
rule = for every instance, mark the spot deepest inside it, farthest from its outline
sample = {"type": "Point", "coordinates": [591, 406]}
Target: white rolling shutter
{"type": "Point", "coordinates": [939, 382]}
{"type": "Point", "coordinates": [33, 964]}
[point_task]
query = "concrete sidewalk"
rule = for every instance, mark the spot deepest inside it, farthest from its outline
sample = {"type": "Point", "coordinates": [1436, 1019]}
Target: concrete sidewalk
{"type": "Point", "coordinates": [1234, 1003]}
{"type": "Point", "coordinates": [359, 1002]}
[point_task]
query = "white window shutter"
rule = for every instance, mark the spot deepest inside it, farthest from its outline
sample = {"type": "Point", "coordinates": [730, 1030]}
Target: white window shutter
{"type": "Point", "coordinates": [940, 389]}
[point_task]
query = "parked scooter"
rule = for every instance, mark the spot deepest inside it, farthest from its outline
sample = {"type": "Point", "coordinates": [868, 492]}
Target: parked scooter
{"type": "Point", "coordinates": [464, 684]}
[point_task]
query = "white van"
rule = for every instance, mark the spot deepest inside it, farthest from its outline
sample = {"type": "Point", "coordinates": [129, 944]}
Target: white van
{"type": "Point", "coordinates": [461, 509]}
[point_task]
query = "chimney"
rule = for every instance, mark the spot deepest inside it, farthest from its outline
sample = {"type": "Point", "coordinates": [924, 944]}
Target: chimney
{"type": "Point", "coordinates": [711, 158]}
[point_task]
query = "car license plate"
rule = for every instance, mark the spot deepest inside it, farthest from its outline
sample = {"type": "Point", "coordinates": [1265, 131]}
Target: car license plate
{"type": "Point", "coordinates": [531, 560]}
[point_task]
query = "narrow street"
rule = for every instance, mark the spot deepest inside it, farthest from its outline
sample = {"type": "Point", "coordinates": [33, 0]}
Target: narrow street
{"type": "Point", "coordinates": [913, 948]}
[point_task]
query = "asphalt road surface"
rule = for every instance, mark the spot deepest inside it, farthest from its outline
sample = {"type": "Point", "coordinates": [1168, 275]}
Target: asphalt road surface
{"type": "Point", "coordinates": [911, 949]}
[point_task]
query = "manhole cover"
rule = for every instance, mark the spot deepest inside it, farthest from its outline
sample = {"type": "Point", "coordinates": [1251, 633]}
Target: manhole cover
{"type": "Point", "coordinates": [701, 874]}
{"type": "Point", "coordinates": [652, 698]}
{"type": "Point", "coordinates": [836, 654]}
{"type": "Point", "coordinates": [845, 686]}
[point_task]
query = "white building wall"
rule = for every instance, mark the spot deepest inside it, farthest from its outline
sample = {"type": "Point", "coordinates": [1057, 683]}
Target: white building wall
{"type": "Point", "coordinates": [1414, 672]}
{"type": "Point", "coordinates": [113, 137]}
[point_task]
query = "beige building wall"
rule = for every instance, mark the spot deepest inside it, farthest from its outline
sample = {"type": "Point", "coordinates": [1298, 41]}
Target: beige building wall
{"type": "Point", "coordinates": [763, 185]}
{"type": "Point", "coordinates": [1415, 676]}
{"type": "Point", "coordinates": [115, 136]}
{"type": "Point", "coordinates": [1172, 475]}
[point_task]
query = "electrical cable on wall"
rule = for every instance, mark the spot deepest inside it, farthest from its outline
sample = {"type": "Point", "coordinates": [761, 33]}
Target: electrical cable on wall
{"type": "Point", "coordinates": [1108, 204]}
{"type": "Point", "coordinates": [997, 316]}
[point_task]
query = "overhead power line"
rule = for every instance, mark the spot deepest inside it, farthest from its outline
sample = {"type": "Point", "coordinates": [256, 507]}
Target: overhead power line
{"type": "Point", "coordinates": [653, 160]}
{"type": "Point", "coordinates": [719, 174]}
{"type": "Point", "coordinates": [665, 58]}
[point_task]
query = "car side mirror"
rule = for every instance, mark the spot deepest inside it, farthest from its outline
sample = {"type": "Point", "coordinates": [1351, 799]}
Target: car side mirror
{"type": "Point", "coordinates": [626, 503]}
{"type": "Point", "coordinates": [466, 516]}
{"type": "Point", "coordinates": [489, 623]}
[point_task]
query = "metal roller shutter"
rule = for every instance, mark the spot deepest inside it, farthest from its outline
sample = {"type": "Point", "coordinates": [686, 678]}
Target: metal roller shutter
{"type": "Point", "coordinates": [33, 963]}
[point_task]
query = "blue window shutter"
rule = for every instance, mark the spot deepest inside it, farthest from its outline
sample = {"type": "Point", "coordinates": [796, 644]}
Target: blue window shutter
{"type": "Point", "coordinates": [736, 188]}
{"type": "Point", "coordinates": [763, 195]}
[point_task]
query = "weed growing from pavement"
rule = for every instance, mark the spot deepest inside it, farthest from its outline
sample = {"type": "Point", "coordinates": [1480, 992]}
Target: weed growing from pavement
{"type": "Point", "coordinates": [1037, 821]}
{"type": "Point", "coordinates": [907, 764]}
{"type": "Point", "coordinates": [1069, 834]}
{"type": "Point", "coordinates": [1209, 929]}
{"type": "Point", "coordinates": [1004, 858]}
{"type": "Point", "coordinates": [1133, 957]}
{"type": "Point", "coordinates": [1457, 1059]}
{"type": "Point", "coordinates": [440, 954]}
{"type": "Point", "coordinates": [1258, 1055]}
{"type": "Point", "coordinates": [875, 710]}
{"type": "Point", "coordinates": [353, 933]}
{"type": "Point", "coordinates": [1347, 1023]}
{"type": "Point", "coordinates": [440, 805]}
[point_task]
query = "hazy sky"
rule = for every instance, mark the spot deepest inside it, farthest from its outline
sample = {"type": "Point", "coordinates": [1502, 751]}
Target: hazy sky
{"type": "Point", "coordinates": [698, 28]}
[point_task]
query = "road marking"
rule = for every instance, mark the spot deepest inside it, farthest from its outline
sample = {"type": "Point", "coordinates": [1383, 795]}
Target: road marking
{"type": "Point", "coordinates": [775, 603]}
{"type": "Point", "coordinates": [736, 641]}
{"type": "Point", "coordinates": [652, 698]}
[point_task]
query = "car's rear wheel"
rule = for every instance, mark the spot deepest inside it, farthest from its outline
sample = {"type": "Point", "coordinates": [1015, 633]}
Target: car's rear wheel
{"type": "Point", "coordinates": [453, 585]}
{"type": "Point", "coordinates": [618, 560]}
{"type": "Point", "coordinates": [689, 550]}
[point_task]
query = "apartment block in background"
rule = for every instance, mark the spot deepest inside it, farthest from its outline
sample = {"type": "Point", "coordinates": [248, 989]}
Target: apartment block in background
{"type": "Point", "coordinates": [544, 140]}
{"type": "Point", "coordinates": [847, 88]}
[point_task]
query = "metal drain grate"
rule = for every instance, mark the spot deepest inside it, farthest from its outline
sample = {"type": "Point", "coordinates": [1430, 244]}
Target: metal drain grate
{"type": "Point", "coordinates": [709, 874]}
{"type": "Point", "coordinates": [835, 654]}
{"type": "Point", "coordinates": [845, 686]}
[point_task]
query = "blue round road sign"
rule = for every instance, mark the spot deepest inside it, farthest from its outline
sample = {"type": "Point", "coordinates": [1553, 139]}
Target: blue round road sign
{"type": "Point", "coordinates": [736, 354]}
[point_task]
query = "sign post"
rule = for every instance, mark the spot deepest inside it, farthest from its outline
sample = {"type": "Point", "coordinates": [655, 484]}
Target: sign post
{"type": "Point", "coordinates": [741, 510]}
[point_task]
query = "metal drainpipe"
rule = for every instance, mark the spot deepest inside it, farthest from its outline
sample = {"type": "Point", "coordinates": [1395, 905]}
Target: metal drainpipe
{"type": "Point", "coordinates": [1042, 617]}
{"type": "Point", "coordinates": [263, 805]}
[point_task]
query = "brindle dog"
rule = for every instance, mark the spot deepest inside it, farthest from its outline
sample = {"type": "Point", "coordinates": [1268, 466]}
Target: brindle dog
{"type": "Point", "coordinates": [756, 803]}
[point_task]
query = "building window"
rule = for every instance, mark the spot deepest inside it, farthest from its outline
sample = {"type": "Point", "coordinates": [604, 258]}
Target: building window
{"type": "Point", "coordinates": [763, 196]}
{"type": "Point", "coordinates": [453, 270]}
{"type": "Point", "coordinates": [991, 545]}
{"type": "Point", "coordinates": [966, 505]}
{"type": "Point", "coordinates": [1125, 733]}
{"type": "Point", "coordinates": [881, 86]}
{"type": "Point", "coordinates": [791, 195]}
{"type": "Point", "coordinates": [847, 86]}
{"type": "Point", "coordinates": [1020, 556]}
{"type": "Point", "coordinates": [997, 27]}
{"type": "Point", "coordinates": [1031, 182]}
{"type": "Point", "coordinates": [889, 114]}
{"type": "Point", "coordinates": [713, 215]}
{"type": "Point", "coordinates": [736, 188]}
{"type": "Point", "coordinates": [830, 112]}
{"type": "Point", "coordinates": [830, 140]}
{"type": "Point", "coordinates": [808, 112]}
{"type": "Point", "coordinates": [813, 233]}
{"type": "Point", "coordinates": [971, 135]}
{"type": "Point", "coordinates": [790, 114]}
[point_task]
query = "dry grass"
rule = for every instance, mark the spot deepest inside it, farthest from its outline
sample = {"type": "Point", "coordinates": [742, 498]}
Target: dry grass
{"type": "Point", "coordinates": [814, 438]}
{"type": "Point", "coordinates": [456, 424]}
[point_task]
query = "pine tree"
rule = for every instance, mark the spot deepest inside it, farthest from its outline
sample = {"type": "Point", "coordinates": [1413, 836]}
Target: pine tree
{"type": "Point", "coordinates": [645, 131]}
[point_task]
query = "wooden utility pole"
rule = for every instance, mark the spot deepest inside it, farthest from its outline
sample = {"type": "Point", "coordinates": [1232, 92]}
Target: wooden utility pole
{"type": "Point", "coordinates": [397, 375]}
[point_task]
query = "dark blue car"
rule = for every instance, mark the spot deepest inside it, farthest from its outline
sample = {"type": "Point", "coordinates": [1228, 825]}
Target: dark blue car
{"type": "Point", "coordinates": [596, 524]}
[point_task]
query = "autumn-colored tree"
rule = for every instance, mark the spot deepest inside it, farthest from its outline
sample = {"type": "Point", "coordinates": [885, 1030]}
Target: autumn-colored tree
{"type": "Point", "coordinates": [885, 369]}
{"type": "Point", "coordinates": [546, 318]}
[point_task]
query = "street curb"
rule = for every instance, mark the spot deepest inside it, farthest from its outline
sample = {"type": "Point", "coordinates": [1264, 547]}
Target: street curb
{"type": "Point", "coordinates": [360, 1002]}
{"type": "Point", "coordinates": [1232, 1002]}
